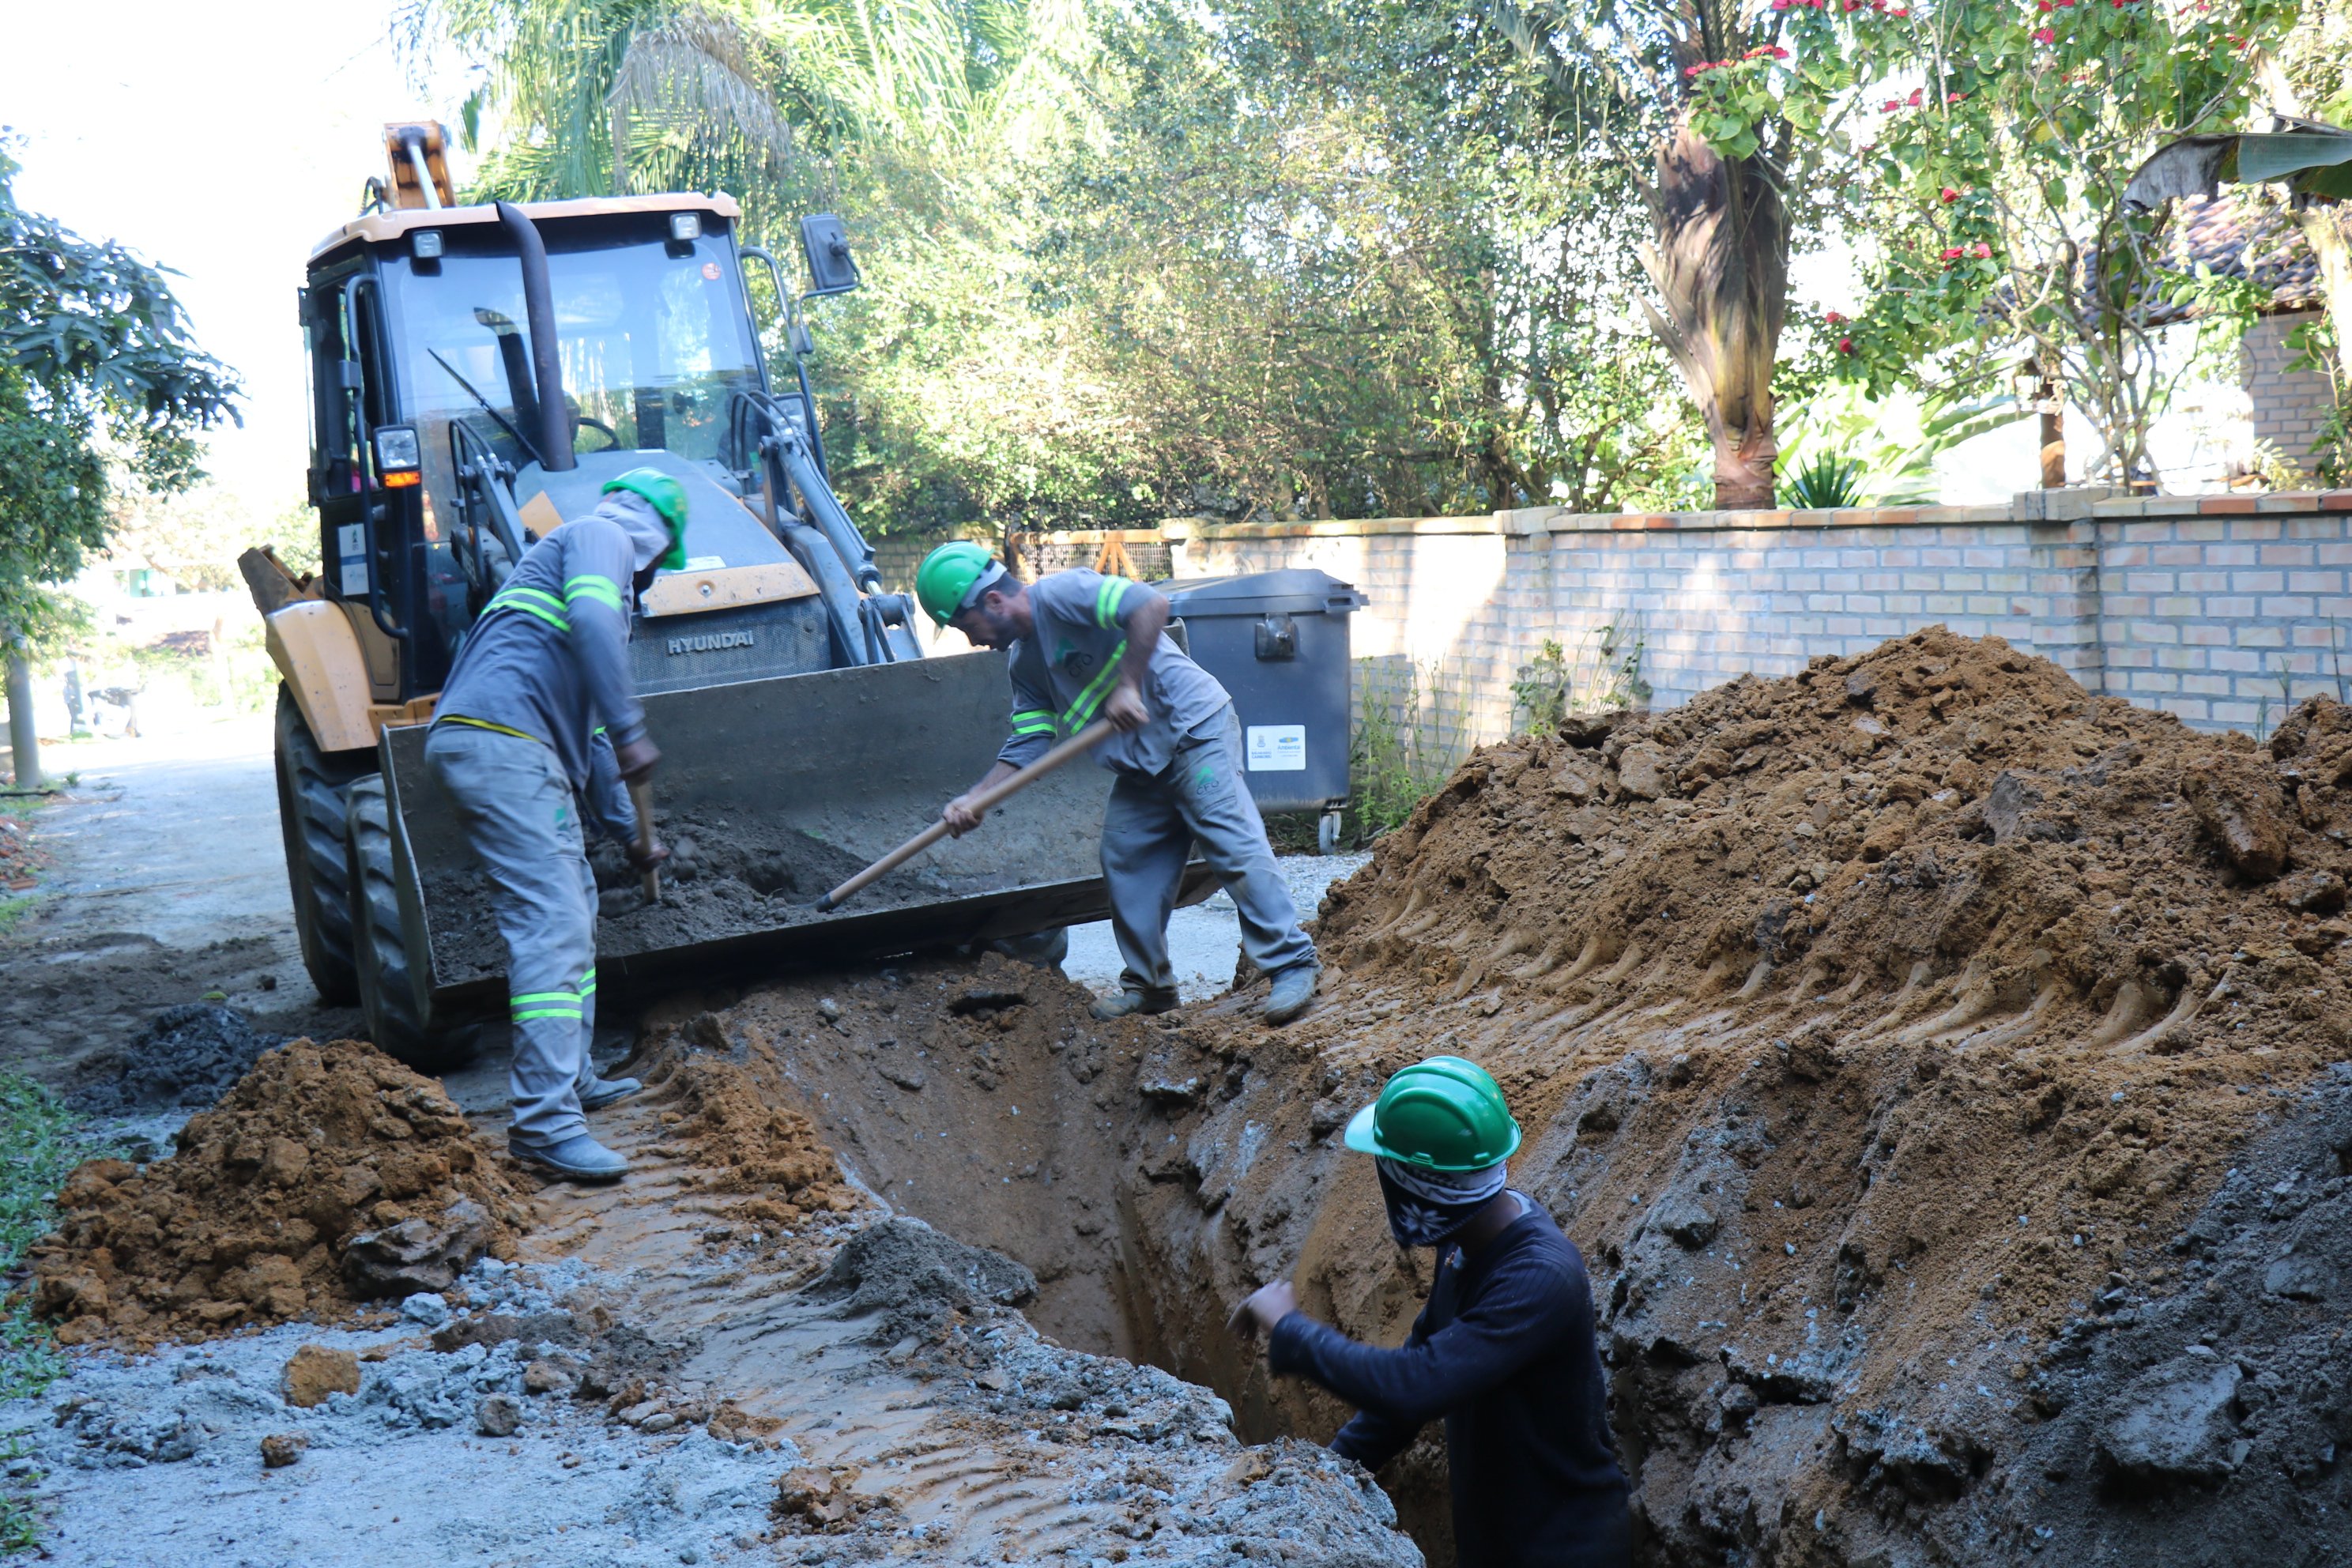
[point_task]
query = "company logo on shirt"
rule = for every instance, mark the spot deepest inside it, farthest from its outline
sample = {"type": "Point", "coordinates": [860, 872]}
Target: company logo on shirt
{"type": "Point", "coordinates": [711, 643]}
{"type": "Point", "coordinates": [1074, 660]}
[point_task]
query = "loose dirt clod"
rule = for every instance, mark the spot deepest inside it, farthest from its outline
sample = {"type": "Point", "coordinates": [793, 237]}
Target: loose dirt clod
{"type": "Point", "coordinates": [314, 1372]}
{"type": "Point", "coordinates": [320, 1153]}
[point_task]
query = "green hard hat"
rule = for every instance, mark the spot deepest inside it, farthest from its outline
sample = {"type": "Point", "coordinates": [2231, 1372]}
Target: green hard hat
{"type": "Point", "coordinates": [1444, 1114]}
{"type": "Point", "coordinates": [664, 495]}
{"type": "Point", "coordinates": [946, 574]}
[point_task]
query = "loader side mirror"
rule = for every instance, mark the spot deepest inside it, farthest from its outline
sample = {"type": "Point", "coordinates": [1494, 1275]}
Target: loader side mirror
{"type": "Point", "coordinates": [825, 245]}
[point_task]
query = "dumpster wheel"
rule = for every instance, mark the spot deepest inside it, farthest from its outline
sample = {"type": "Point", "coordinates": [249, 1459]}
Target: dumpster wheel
{"type": "Point", "coordinates": [380, 953]}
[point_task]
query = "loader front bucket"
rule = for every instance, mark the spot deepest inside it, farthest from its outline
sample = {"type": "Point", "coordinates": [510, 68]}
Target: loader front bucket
{"type": "Point", "coordinates": [771, 793]}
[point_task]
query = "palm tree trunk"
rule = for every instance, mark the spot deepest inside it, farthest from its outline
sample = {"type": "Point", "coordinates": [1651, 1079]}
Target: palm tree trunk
{"type": "Point", "coordinates": [1720, 265]}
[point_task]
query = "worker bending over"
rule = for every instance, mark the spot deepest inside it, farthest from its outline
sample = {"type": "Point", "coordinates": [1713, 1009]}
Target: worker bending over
{"type": "Point", "coordinates": [1086, 647]}
{"type": "Point", "coordinates": [1504, 1348]}
{"type": "Point", "coordinates": [538, 722]}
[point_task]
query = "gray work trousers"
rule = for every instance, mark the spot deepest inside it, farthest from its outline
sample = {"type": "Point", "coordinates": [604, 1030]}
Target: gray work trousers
{"type": "Point", "coordinates": [524, 825]}
{"type": "Point", "coordinates": [1147, 833]}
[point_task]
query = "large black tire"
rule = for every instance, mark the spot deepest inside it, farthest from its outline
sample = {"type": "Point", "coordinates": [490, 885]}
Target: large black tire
{"type": "Point", "coordinates": [388, 993]}
{"type": "Point", "coordinates": [311, 784]}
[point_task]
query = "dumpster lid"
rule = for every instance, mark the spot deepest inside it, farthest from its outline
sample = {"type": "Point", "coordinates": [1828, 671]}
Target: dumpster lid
{"type": "Point", "coordinates": [1293, 591]}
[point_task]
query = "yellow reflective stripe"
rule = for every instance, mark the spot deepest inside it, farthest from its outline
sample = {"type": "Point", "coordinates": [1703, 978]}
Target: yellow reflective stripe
{"type": "Point", "coordinates": [601, 589]}
{"type": "Point", "coordinates": [486, 724]}
{"type": "Point", "coordinates": [1097, 690]}
{"type": "Point", "coordinates": [1107, 600]}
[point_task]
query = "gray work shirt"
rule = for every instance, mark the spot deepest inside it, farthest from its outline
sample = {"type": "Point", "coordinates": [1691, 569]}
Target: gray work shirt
{"type": "Point", "coordinates": [547, 659]}
{"type": "Point", "coordinates": [1066, 668]}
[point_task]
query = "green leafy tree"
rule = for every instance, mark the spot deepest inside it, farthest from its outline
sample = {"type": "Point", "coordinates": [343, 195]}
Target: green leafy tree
{"type": "Point", "coordinates": [101, 389]}
{"type": "Point", "coordinates": [1987, 148]}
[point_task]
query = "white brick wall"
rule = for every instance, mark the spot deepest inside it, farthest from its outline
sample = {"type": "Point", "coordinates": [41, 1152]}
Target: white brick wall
{"type": "Point", "coordinates": [2224, 610]}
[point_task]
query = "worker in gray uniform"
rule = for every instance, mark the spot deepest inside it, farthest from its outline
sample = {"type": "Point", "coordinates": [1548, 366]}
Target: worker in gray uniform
{"type": "Point", "coordinates": [538, 725]}
{"type": "Point", "coordinates": [1085, 646]}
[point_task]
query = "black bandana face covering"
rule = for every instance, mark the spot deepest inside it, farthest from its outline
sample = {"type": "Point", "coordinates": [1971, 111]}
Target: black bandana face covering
{"type": "Point", "coordinates": [1425, 1208]}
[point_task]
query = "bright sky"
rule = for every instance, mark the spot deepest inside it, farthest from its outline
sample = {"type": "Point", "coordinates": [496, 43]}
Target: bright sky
{"type": "Point", "coordinates": [222, 142]}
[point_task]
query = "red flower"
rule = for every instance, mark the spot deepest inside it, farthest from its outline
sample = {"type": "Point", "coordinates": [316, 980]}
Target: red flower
{"type": "Point", "coordinates": [1891, 106]}
{"type": "Point", "coordinates": [1833, 319]}
{"type": "Point", "coordinates": [1951, 253]}
{"type": "Point", "coordinates": [1950, 195]}
{"type": "Point", "coordinates": [1899, 10]}
{"type": "Point", "coordinates": [1917, 93]}
{"type": "Point", "coordinates": [1981, 251]}
{"type": "Point", "coordinates": [1956, 98]}
{"type": "Point", "coordinates": [2044, 36]}
{"type": "Point", "coordinates": [1845, 346]}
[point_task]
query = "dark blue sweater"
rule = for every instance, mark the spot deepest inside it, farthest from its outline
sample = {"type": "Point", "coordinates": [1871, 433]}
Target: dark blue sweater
{"type": "Point", "coordinates": [1503, 1350]}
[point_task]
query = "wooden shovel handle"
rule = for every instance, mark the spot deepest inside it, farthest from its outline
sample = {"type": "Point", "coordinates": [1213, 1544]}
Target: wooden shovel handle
{"type": "Point", "coordinates": [986, 800]}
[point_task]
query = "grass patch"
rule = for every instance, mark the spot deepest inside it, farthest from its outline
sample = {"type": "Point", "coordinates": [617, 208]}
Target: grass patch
{"type": "Point", "coordinates": [1392, 767]}
{"type": "Point", "coordinates": [12, 910]}
{"type": "Point", "coordinates": [40, 1143]}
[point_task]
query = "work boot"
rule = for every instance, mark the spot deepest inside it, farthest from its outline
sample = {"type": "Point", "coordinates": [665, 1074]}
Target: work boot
{"type": "Point", "coordinates": [1131, 1002]}
{"type": "Point", "coordinates": [606, 1091]}
{"type": "Point", "coordinates": [1293, 989]}
{"type": "Point", "coordinates": [578, 1158]}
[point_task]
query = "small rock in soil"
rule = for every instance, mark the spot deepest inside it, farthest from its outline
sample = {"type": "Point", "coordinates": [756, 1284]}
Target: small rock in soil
{"type": "Point", "coordinates": [498, 1416]}
{"type": "Point", "coordinates": [418, 1254]}
{"type": "Point", "coordinates": [314, 1372]}
{"type": "Point", "coordinates": [280, 1449]}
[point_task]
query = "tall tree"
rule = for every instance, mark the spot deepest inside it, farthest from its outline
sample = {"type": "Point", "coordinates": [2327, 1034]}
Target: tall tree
{"type": "Point", "coordinates": [101, 386]}
{"type": "Point", "coordinates": [1720, 210]}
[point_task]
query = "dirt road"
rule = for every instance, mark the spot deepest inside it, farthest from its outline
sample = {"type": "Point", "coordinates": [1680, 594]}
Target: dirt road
{"type": "Point", "coordinates": [167, 885]}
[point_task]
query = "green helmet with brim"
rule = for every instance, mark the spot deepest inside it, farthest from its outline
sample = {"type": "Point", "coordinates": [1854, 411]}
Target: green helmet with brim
{"type": "Point", "coordinates": [1442, 1114]}
{"type": "Point", "coordinates": [946, 580]}
{"type": "Point", "coordinates": [666, 496]}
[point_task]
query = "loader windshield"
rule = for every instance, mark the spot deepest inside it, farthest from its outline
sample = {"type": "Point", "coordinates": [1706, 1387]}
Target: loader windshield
{"type": "Point", "coordinates": [654, 336]}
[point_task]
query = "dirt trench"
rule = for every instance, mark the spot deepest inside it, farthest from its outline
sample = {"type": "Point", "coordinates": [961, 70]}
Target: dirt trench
{"type": "Point", "coordinates": [1943, 1071]}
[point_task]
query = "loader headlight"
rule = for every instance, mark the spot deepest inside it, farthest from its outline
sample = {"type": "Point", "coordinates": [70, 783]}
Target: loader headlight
{"type": "Point", "coordinates": [686, 227]}
{"type": "Point", "coordinates": [398, 455]}
{"type": "Point", "coordinates": [424, 245]}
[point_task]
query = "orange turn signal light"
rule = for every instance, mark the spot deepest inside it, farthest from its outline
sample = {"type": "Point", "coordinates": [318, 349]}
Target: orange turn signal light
{"type": "Point", "coordinates": [401, 478]}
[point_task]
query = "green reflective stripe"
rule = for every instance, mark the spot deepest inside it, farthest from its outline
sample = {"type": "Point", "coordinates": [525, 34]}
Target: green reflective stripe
{"type": "Point", "coordinates": [519, 599]}
{"type": "Point", "coordinates": [1107, 600]}
{"type": "Point", "coordinates": [1035, 727]}
{"type": "Point", "coordinates": [587, 985]}
{"type": "Point", "coordinates": [601, 589]}
{"type": "Point", "coordinates": [1028, 713]}
{"type": "Point", "coordinates": [1097, 690]}
{"type": "Point", "coordinates": [486, 724]}
{"type": "Point", "coordinates": [535, 997]}
{"type": "Point", "coordinates": [547, 1012]}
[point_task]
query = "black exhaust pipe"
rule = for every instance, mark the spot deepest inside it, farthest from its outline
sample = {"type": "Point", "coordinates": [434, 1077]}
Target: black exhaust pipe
{"type": "Point", "coordinates": [547, 358]}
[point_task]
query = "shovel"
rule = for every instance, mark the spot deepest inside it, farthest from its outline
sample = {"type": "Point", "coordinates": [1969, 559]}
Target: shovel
{"type": "Point", "coordinates": [641, 795]}
{"type": "Point", "coordinates": [986, 800]}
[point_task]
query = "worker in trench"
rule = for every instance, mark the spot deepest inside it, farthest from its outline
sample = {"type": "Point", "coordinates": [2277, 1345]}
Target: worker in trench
{"type": "Point", "coordinates": [1084, 646]}
{"type": "Point", "coordinates": [1503, 1349]}
{"type": "Point", "coordinates": [538, 727]}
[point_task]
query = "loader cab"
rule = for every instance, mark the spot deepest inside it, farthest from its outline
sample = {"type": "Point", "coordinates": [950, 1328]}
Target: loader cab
{"type": "Point", "coordinates": [421, 362]}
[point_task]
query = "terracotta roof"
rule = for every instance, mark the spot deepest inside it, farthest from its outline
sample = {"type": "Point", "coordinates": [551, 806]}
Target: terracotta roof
{"type": "Point", "coordinates": [2238, 238]}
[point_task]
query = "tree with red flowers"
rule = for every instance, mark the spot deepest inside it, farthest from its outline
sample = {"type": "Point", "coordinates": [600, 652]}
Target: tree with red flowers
{"type": "Point", "coordinates": [1987, 145]}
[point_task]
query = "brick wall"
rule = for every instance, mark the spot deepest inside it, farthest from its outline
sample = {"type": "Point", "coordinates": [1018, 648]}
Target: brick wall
{"type": "Point", "coordinates": [2290, 406]}
{"type": "Point", "coordinates": [2224, 610]}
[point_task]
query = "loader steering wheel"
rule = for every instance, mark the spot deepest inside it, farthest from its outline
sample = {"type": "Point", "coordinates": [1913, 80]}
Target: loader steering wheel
{"type": "Point", "coordinates": [612, 436]}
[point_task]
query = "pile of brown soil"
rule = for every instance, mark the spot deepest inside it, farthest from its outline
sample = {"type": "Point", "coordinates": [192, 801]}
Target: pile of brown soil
{"type": "Point", "coordinates": [734, 1140]}
{"type": "Point", "coordinates": [2079, 927]}
{"type": "Point", "coordinates": [254, 1219]}
{"type": "Point", "coordinates": [1883, 1035]}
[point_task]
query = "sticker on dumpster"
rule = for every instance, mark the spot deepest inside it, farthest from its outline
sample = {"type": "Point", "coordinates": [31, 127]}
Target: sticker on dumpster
{"type": "Point", "coordinates": [1278, 748]}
